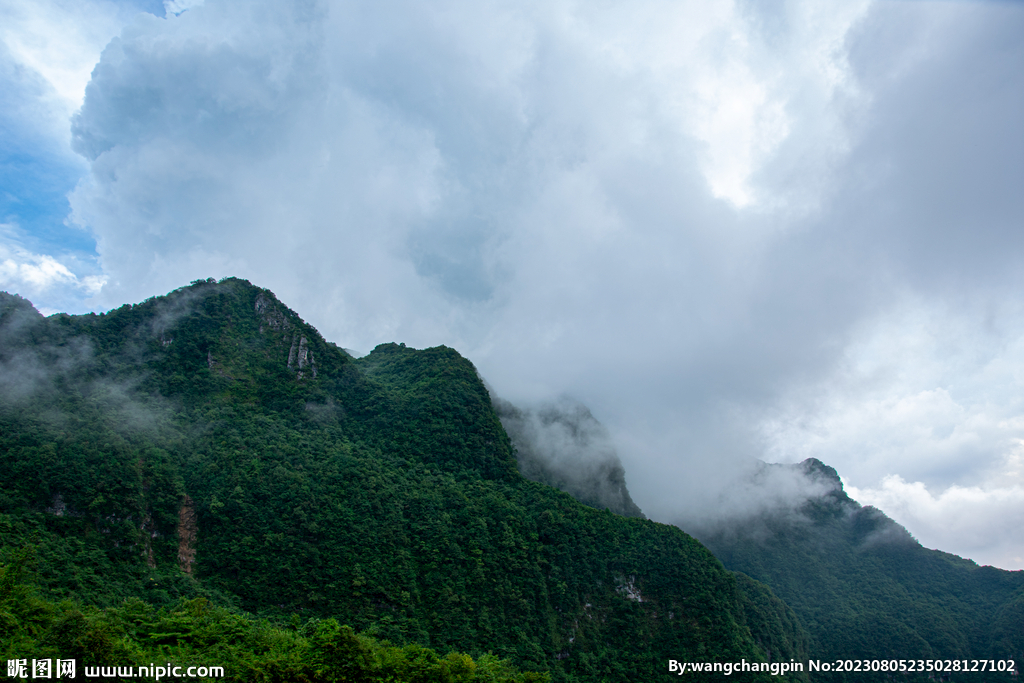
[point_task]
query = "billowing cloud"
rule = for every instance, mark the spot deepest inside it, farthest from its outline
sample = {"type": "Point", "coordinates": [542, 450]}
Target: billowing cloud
{"type": "Point", "coordinates": [60, 41]}
{"type": "Point", "coordinates": [48, 49]}
{"type": "Point", "coordinates": [41, 276]}
{"type": "Point", "coordinates": [934, 394]}
{"type": "Point", "coordinates": [714, 224]}
{"type": "Point", "coordinates": [980, 523]}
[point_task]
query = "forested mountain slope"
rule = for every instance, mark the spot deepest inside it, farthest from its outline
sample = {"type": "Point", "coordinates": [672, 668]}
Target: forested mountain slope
{"type": "Point", "coordinates": [866, 589]}
{"type": "Point", "coordinates": [209, 443]}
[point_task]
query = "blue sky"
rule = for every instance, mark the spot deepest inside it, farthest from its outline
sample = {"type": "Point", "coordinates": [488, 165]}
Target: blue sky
{"type": "Point", "coordinates": [48, 51]}
{"type": "Point", "coordinates": [38, 172]}
{"type": "Point", "coordinates": [732, 229]}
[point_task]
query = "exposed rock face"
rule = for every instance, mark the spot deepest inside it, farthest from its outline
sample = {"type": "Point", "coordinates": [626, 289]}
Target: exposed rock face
{"type": "Point", "coordinates": [293, 351]}
{"type": "Point", "coordinates": [187, 530]}
{"type": "Point", "coordinates": [57, 505]}
{"type": "Point", "coordinates": [305, 358]}
{"type": "Point", "coordinates": [148, 534]}
{"type": "Point", "coordinates": [628, 587]}
{"type": "Point", "coordinates": [270, 314]}
{"type": "Point", "coordinates": [300, 356]}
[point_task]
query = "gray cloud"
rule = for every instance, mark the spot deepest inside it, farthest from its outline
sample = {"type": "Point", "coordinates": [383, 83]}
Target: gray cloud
{"type": "Point", "coordinates": [941, 154]}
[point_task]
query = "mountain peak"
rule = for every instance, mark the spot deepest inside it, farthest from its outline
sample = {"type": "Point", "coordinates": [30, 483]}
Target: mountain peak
{"type": "Point", "coordinates": [819, 471]}
{"type": "Point", "coordinates": [11, 304]}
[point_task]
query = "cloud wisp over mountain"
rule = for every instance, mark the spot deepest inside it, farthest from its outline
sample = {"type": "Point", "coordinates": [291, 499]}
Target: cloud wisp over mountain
{"type": "Point", "coordinates": [733, 231]}
{"type": "Point", "coordinates": [561, 444]}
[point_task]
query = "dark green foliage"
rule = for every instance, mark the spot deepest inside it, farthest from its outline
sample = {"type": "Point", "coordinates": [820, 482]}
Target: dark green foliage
{"type": "Point", "coordinates": [865, 589]}
{"type": "Point", "coordinates": [775, 626]}
{"type": "Point", "coordinates": [196, 633]}
{"type": "Point", "coordinates": [209, 445]}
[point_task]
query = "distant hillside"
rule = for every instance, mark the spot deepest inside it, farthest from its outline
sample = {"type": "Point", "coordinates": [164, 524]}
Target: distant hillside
{"type": "Point", "coordinates": [210, 444]}
{"type": "Point", "coordinates": [866, 589]}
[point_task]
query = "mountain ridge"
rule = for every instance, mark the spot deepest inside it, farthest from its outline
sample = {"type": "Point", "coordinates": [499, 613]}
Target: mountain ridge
{"type": "Point", "coordinates": [382, 491]}
{"type": "Point", "coordinates": [211, 445]}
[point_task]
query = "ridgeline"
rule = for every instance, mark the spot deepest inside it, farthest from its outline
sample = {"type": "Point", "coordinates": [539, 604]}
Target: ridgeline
{"type": "Point", "coordinates": [202, 477]}
{"type": "Point", "coordinates": [866, 590]}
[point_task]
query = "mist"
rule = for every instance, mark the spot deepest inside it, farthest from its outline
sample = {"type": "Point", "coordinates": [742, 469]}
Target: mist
{"type": "Point", "coordinates": [562, 445]}
{"type": "Point", "coordinates": [54, 375]}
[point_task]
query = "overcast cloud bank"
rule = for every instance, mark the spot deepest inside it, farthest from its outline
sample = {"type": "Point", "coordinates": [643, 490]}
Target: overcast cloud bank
{"type": "Point", "coordinates": [732, 230]}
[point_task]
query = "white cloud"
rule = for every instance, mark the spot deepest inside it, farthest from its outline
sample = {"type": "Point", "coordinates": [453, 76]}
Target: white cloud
{"type": "Point", "coordinates": [933, 394]}
{"type": "Point", "coordinates": [938, 389]}
{"type": "Point", "coordinates": [473, 128]}
{"type": "Point", "coordinates": [745, 103]}
{"type": "Point", "coordinates": [61, 40]}
{"type": "Point", "coordinates": [41, 277]}
{"type": "Point", "coordinates": [34, 271]}
{"type": "Point", "coordinates": [982, 523]}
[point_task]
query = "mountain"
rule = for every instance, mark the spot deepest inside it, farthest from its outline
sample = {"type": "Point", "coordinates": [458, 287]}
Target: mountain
{"type": "Point", "coordinates": [864, 588]}
{"type": "Point", "coordinates": [168, 465]}
{"type": "Point", "coordinates": [861, 587]}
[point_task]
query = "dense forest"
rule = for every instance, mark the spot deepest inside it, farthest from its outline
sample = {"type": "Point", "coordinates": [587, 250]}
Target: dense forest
{"type": "Point", "coordinates": [864, 588]}
{"type": "Point", "coordinates": [196, 634]}
{"type": "Point", "coordinates": [203, 478]}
